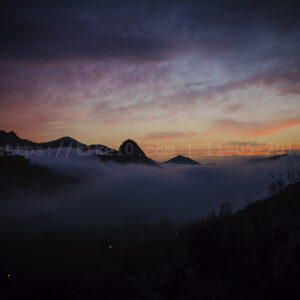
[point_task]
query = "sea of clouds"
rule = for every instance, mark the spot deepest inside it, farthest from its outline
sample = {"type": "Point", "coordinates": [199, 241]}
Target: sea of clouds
{"type": "Point", "coordinates": [113, 194]}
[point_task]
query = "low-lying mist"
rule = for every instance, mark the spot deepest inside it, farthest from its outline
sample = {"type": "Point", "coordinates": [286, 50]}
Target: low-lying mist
{"type": "Point", "coordinates": [117, 194]}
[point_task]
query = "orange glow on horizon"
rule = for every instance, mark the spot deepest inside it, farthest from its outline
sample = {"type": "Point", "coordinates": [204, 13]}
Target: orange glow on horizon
{"type": "Point", "coordinates": [219, 150]}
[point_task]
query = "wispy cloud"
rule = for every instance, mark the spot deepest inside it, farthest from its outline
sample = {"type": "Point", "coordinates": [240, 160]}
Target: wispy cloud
{"type": "Point", "coordinates": [236, 143]}
{"type": "Point", "coordinates": [253, 129]}
{"type": "Point", "coordinates": [161, 136]}
{"type": "Point", "coordinates": [103, 64]}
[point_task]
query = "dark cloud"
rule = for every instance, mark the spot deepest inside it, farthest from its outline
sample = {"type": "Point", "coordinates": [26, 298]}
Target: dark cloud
{"type": "Point", "coordinates": [37, 31]}
{"type": "Point", "coordinates": [142, 60]}
{"type": "Point", "coordinates": [63, 39]}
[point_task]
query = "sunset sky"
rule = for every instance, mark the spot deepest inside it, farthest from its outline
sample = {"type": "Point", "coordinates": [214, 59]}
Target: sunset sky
{"type": "Point", "coordinates": [183, 75]}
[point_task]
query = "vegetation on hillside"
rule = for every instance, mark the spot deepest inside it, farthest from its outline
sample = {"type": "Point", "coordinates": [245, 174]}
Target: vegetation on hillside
{"type": "Point", "coordinates": [254, 252]}
{"type": "Point", "coordinates": [18, 174]}
{"type": "Point", "coordinates": [257, 248]}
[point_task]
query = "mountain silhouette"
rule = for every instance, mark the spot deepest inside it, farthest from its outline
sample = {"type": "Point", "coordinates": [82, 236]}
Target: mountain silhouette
{"type": "Point", "coordinates": [130, 148]}
{"type": "Point", "coordinates": [63, 142]}
{"type": "Point", "coordinates": [182, 160]}
{"type": "Point", "coordinates": [129, 152]}
{"type": "Point", "coordinates": [11, 140]}
{"type": "Point", "coordinates": [255, 160]}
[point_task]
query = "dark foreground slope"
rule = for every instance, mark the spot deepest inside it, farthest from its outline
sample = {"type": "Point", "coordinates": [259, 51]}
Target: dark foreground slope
{"type": "Point", "coordinates": [19, 175]}
{"type": "Point", "coordinates": [253, 253]}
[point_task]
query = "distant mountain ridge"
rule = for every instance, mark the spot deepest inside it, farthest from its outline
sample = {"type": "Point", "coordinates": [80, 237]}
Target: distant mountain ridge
{"type": "Point", "coordinates": [66, 141]}
{"type": "Point", "coordinates": [11, 140]}
{"type": "Point", "coordinates": [255, 160]}
{"type": "Point", "coordinates": [128, 152]}
{"type": "Point", "coordinates": [182, 160]}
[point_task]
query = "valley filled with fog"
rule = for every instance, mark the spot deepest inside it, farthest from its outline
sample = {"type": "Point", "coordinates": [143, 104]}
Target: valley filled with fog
{"type": "Point", "coordinates": [108, 193]}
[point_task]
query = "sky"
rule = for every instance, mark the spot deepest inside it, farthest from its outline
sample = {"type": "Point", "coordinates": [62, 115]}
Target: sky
{"type": "Point", "coordinates": [200, 78]}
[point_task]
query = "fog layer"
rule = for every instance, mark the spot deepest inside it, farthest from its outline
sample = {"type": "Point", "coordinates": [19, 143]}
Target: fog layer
{"type": "Point", "coordinates": [113, 194]}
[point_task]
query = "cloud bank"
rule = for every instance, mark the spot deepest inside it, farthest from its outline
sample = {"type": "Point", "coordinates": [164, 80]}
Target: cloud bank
{"type": "Point", "coordinates": [114, 194]}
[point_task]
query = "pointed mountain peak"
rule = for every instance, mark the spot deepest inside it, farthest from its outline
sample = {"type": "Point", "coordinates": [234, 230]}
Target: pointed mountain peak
{"type": "Point", "coordinates": [10, 139]}
{"type": "Point", "coordinates": [129, 142]}
{"type": "Point", "coordinates": [65, 141]}
{"type": "Point", "coordinates": [129, 152]}
{"type": "Point", "coordinates": [131, 149]}
{"type": "Point", "coordinates": [182, 160]}
{"type": "Point", "coordinates": [12, 133]}
{"type": "Point", "coordinates": [67, 138]}
{"type": "Point", "coordinates": [179, 157]}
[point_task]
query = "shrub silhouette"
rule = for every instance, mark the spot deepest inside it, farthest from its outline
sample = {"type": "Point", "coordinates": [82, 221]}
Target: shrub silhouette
{"type": "Point", "coordinates": [260, 243]}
